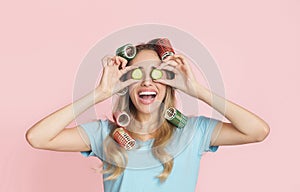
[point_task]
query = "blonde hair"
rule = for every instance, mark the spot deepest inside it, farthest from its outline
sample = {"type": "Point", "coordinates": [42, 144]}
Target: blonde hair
{"type": "Point", "coordinates": [116, 157]}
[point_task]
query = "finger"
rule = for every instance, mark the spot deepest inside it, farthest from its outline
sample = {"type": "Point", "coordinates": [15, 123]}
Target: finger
{"type": "Point", "coordinates": [167, 58]}
{"type": "Point", "coordinates": [162, 65]}
{"type": "Point", "coordinates": [105, 60]}
{"type": "Point", "coordinates": [182, 58]}
{"type": "Point", "coordinates": [165, 82]}
{"type": "Point", "coordinates": [168, 68]}
{"type": "Point", "coordinates": [178, 60]}
{"type": "Point", "coordinates": [129, 82]}
{"type": "Point", "coordinates": [110, 61]}
{"type": "Point", "coordinates": [116, 60]}
{"type": "Point", "coordinates": [185, 63]}
{"type": "Point", "coordinates": [170, 63]}
{"type": "Point", "coordinates": [120, 60]}
{"type": "Point", "coordinates": [123, 62]}
{"type": "Point", "coordinates": [170, 57]}
{"type": "Point", "coordinates": [129, 68]}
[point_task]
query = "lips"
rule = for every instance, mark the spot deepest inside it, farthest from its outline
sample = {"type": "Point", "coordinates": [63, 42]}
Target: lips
{"type": "Point", "coordinates": [147, 96]}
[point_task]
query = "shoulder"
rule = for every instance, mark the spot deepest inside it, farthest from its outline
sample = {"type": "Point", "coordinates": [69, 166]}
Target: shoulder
{"type": "Point", "coordinates": [202, 121]}
{"type": "Point", "coordinates": [200, 126]}
{"type": "Point", "coordinates": [195, 136]}
{"type": "Point", "coordinates": [197, 121]}
{"type": "Point", "coordinates": [96, 132]}
{"type": "Point", "coordinates": [98, 127]}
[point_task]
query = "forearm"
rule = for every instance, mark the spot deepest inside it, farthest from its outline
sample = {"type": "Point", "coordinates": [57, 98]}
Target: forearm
{"type": "Point", "coordinates": [50, 126]}
{"type": "Point", "coordinates": [242, 119]}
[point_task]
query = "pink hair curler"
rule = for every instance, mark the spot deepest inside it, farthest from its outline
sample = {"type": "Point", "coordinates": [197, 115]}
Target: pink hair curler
{"type": "Point", "coordinates": [121, 118]}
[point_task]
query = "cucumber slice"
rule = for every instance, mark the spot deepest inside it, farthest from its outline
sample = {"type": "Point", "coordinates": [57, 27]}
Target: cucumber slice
{"type": "Point", "coordinates": [137, 74]}
{"type": "Point", "coordinates": [156, 74]}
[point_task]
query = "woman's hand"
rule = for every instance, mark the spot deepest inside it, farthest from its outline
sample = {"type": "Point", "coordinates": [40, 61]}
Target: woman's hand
{"type": "Point", "coordinates": [184, 78]}
{"type": "Point", "coordinates": [113, 69]}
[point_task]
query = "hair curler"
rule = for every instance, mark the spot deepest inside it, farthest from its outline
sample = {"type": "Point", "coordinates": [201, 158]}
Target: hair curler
{"type": "Point", "coordinates": [122, 119]}
{"type": "Point", "coordinates": [175, 117]}
{"type": "Point", "coordinates": [127, 51]}
{"type": "Point", "coordinates": [164, 48]}
{"type": "Point", "coordinates": [122, 136]}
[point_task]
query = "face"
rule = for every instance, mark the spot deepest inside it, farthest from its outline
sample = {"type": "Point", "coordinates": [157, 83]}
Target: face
{"type": "Point", "coordinates": [147, 95]}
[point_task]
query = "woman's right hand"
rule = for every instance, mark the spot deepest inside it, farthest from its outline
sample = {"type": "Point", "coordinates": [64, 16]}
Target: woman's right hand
{"type": "Point", "coordinates": [113, 69]}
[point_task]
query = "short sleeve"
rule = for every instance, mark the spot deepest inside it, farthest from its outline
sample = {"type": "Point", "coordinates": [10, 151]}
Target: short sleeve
{"type": "Point", "coordinates": [95, 131]}
{"type": "Point", "coordinates": [206, 126]}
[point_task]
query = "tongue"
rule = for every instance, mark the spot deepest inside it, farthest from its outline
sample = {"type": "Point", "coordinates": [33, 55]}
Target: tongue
{"type": "Point", "coordinates": [146, 97]}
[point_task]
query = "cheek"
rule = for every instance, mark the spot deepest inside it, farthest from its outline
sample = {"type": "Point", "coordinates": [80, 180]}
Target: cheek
{"type": "Point", "coordinates": [131, 90]}
{"type": "Point", "coordinates": [163, 91]}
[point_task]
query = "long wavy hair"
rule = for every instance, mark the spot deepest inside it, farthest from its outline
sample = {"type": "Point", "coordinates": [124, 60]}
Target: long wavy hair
{"type": "Point", "coordinates": [116, 159]}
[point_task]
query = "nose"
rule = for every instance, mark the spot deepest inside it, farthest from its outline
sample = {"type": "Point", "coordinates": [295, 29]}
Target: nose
{"type": "Point", "coordinates": [147, 80]}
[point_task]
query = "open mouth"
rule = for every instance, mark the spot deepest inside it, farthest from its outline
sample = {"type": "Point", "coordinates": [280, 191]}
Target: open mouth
{"type": "Point", "coordinates": [147, 97]}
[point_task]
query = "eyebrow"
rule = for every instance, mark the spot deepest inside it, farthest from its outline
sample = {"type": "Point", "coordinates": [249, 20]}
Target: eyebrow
{"type": "Point", "coordinates": [153, 67]}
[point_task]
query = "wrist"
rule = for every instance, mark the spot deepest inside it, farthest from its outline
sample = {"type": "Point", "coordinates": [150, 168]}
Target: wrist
{"type": "Point", "coordinates": [203, 93]}
{"type": "Point", "coordinates": [101, 94]}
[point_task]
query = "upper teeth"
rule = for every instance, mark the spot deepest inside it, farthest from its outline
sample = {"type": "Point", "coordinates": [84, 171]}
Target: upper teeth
{"type": "Point", "coordinates": [147, 93]}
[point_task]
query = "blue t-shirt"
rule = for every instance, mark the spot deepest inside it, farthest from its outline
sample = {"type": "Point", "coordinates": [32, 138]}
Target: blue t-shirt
{"type": "Point", "coordinates": [186, 146]}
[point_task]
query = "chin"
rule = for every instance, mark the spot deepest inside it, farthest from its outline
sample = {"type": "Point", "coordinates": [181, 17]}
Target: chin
{"type": "Point", "coordinates": [149, 109]}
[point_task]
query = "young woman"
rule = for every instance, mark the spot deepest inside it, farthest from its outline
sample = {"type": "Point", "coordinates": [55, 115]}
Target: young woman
{"type": "Point", "coordinates": [165, 158]}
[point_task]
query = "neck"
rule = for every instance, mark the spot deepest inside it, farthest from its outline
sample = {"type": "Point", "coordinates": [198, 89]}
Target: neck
{"type": "Point", "coordinates": [145, 125]}
{"type": "Point", "coordinates": [145, 117]}
{"type": "Point", "coordinates": [142, 137]}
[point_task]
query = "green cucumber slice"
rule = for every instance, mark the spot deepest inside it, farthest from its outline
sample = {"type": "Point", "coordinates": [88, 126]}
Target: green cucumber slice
{"type": "Point", "coordinates": [137, 74]}
{"type": "Point", "coordinates": [156, 74]}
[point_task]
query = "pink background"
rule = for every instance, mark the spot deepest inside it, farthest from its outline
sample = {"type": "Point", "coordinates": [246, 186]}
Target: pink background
{"type": "Point", "coordinates": [255, 44]}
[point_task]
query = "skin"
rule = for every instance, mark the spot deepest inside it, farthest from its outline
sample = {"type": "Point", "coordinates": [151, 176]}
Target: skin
{"type": "Point", "coordinates": [147, 114]}
{"type": "Point", "coordinates": [51, 133]}
{"type": "Point", "coordinates": [144, 111]}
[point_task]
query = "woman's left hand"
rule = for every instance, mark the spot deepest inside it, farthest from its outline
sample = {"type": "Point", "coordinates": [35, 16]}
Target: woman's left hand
{"type": "Point", "coordinates": [184, 78]}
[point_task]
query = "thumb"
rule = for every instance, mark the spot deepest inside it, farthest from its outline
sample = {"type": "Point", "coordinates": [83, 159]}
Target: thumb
{"type": "Point", "coordinates": [129, 82]}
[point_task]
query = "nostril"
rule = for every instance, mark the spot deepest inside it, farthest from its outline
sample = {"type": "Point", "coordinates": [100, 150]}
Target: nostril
{"type": "Point", "coordinates": [147, 82]}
